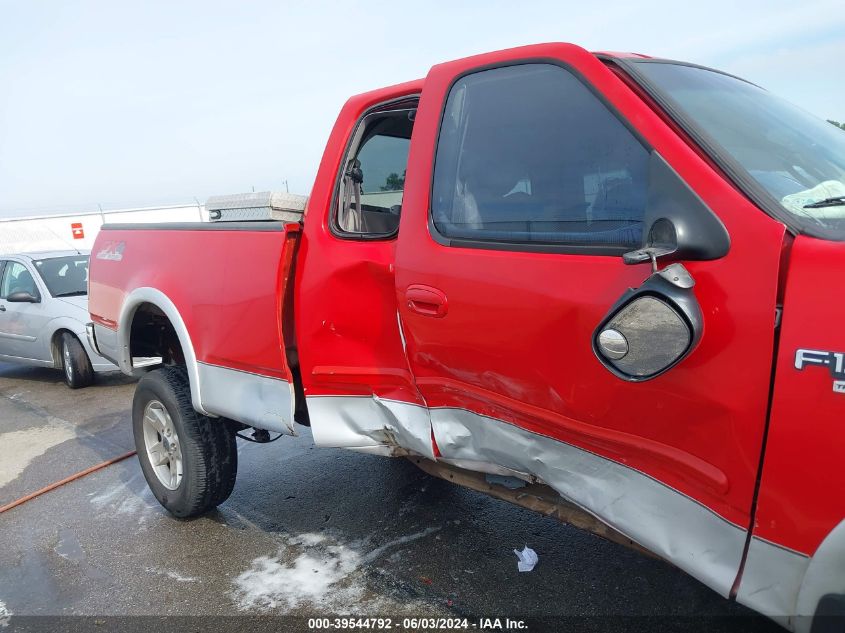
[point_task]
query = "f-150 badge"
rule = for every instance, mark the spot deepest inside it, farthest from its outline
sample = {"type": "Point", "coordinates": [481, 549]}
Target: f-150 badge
{"type": "Point", "coordinates": [834, 361]}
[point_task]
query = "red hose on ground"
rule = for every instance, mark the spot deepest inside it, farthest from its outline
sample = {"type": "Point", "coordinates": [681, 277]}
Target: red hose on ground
{"type": "Point", "coordinates": [64, 481]}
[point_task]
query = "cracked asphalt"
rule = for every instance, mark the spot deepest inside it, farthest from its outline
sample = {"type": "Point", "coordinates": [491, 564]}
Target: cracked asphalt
{"type": "Point", "coordinates": [307, 532]}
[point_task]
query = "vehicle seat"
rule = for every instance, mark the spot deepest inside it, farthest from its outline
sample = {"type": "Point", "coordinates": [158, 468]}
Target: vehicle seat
{"type": "Point", "coordinates": [23, 283]}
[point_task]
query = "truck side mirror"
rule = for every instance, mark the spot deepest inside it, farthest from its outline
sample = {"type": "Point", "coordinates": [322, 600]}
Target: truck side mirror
{"type": "Point", "coordinates": [22, 296]}
{"type": "Point", "coordinates": [651, 328]}
{"type": "Point", "coordinates": [678, 223]}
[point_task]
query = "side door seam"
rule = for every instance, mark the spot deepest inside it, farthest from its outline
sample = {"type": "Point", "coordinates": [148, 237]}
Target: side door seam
{"type": "Point", "coordinates": [783, 269]}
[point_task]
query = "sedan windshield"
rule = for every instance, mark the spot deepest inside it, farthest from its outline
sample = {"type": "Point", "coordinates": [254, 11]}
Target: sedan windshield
{"type": "Point", "coordinates": [798, 159]}
{"type": "Point", "coordinates": [64, 276]}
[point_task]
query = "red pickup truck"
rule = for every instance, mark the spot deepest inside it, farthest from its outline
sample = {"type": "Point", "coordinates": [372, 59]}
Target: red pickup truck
{"type": "Point", "coordinates": [606, 277]}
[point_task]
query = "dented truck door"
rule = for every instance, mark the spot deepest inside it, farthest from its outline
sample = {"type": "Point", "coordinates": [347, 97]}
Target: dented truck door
{"type": "Point", "coordinates": [357, 385]}
{"type": "Point", "coordinates": [586, 300]}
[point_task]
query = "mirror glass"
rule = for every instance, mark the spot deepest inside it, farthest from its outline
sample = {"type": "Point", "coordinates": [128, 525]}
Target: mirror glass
{"type": "Point", "coordinates": [654, 333]}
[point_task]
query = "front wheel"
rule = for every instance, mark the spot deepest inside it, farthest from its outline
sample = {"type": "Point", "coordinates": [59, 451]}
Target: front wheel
{"type": "Point", "coordinates": [75, 362]}
{"type": "Point", "coordinates": [190, 461]}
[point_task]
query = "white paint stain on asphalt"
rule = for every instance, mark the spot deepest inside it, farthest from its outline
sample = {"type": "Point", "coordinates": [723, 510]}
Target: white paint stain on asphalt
{"type": "Point", "coordinates": [173, 575]}
{"type": "Point", "coordinates": [106, 497]}
{"type": "Point", "coordinates": [121, 499]}
{"type": "Point", "coordinates": [19, 448]}
{"type": "Point", "coordinates": [5, 615]}
{"type": "Point", "coordinates": [304, 578]}
{"type": "Point", "coordinates": [309, 570]}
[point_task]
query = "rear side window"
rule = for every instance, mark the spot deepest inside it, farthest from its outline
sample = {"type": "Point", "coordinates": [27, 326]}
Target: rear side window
{"type": "Point", "coordinates": [371, 186]}
{"type": "Point", "coordinates": [528, 154]}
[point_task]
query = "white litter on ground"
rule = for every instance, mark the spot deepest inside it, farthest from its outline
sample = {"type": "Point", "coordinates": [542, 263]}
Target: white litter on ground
{"type": "Point", "coordinates": [527, 559]}
{"type": "Point", "coordinates": [19, 448]}
{"type": "Point", "coordinates": [171, 574]}
{"type": "Point", "coordinates": [310, 570]}
{"type": "Point", "coordinates": [5, 615]}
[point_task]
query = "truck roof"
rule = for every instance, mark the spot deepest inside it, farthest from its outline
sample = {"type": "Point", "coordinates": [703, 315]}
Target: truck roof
{"type": "Point", "coordinates": [417, 84]}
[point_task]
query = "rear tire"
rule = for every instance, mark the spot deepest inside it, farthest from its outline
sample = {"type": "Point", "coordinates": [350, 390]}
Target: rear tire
{"type": "Point", "coordinates": [76, 365]}
{"type": "Point", "coordinates": [830, 615]}
{"type": "Point", "coordinates": [189, 460]}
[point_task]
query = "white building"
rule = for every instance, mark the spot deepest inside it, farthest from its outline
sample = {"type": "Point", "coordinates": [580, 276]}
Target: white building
{"type": "Point", "coordinates": [79, 230]}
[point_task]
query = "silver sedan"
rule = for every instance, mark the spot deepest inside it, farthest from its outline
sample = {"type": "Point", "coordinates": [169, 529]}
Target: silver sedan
{"type": "Point", "coordinates": [43, 312]}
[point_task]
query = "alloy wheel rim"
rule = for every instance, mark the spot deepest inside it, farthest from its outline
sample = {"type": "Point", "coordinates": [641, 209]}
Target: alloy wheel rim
{"type": "Point", "coordinates": [161, 442]}
{"type": "Point", "coordinates": [68, 365]}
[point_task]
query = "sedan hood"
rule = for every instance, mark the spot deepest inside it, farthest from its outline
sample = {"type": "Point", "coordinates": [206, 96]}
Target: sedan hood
{"type": "Point", "coordinates": [77, 302]}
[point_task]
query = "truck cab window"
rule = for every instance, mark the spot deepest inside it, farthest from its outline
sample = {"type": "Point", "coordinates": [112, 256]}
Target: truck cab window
{"type": "Point", "coordinates": [370, 190]}
{"type": "Point", "coordinates": [529, 155]}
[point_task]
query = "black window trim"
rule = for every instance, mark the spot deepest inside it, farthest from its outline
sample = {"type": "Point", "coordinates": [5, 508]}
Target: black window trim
{"type": "Point", "coordinates": [411, 99]}
{"type": "Point", "coordinates": [528, 246]}
{"type": "Point", "coordinates": [735, 172]}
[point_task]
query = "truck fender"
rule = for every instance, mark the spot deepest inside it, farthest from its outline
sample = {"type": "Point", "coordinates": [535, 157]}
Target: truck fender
{"type": "Point", "coordinates": [160, 300]}
{"type": "Point", "coordinates": [824, 576]}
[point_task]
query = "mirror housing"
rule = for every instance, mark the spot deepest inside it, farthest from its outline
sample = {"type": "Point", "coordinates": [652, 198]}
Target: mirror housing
{"type": "Point", "coordinates": [678, 222]}
{"type": "Point", "coordinates": [22, 297]}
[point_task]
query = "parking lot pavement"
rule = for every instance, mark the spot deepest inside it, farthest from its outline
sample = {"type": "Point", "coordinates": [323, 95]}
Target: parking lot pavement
{"type": "Point", "coordinates": [307, 531]}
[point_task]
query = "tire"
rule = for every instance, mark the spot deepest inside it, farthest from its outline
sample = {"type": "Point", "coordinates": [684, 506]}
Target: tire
{"type": "Point", "coordinates": [76, 365]}
{"type": "Point", "coordinates": [190, 461]}
{"type": "Point", "coordinates": [830, 615]}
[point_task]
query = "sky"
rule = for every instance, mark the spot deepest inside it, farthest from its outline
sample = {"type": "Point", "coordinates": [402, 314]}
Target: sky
{"type": "Point", "coordinates": [123, 104]}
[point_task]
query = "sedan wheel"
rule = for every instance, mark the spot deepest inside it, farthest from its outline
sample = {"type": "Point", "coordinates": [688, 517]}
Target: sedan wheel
{"type": "Point", "coordinates": [75, 362]}
{"type": "Point", "coordinates": [67, 361]}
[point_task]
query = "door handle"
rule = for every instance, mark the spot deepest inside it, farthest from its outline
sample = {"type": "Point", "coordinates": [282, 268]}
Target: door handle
{"type": "Point", "coordinates": [2, 308]}
{"type": "Point", "coordinates": [426, 301]}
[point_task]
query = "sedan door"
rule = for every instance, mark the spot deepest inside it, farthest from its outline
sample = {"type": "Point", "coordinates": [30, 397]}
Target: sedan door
{"type": "Point", "coordinates": [4, 341]}
{"type": "Point", "coordinates": [22, 324]}
{"type": "Point", "coordinates": [636, 388]}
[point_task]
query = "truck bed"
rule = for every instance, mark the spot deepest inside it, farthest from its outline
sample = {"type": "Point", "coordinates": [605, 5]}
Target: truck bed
{"type": "Point", "coordinates": [219, 285]}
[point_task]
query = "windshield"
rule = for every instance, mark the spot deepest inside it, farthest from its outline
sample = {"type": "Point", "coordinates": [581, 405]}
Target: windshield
{"type": "Point", "coordinates": [64, 276]}
{"type": "Point", "coordinates": [795, 157]}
